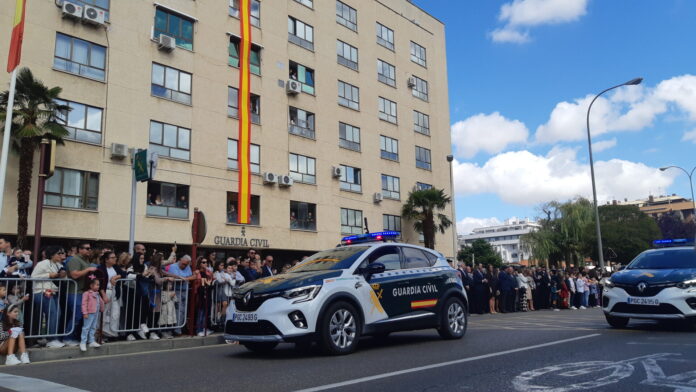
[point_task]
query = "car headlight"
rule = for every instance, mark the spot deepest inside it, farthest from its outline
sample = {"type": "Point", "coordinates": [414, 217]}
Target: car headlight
{"type": "Point", "coordinates": [687, 284]}
{"type": "Point", "coordinates": [606, 282]}
{"type": "Point", "coordinates": [302, 294]}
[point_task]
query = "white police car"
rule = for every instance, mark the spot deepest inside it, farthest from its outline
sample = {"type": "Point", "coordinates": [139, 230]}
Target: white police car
{"type": "Point", "coordinates": [659, 284]}
{"type": "Point", "coordinates": [366, 286]}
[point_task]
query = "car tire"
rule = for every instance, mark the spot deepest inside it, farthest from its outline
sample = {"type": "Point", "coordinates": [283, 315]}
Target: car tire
{"type": "Point", "coordinates": [453, 319]}
{"type": "Point", "coordinates": [617, 322]}
{"type": "Point", "coordinates": [340, 329]}
{"type": "Point", "coordinates": [260, 347]}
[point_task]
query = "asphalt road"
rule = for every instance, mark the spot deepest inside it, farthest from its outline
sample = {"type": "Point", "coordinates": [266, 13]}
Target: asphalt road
{"type": "Point", "coordinates": [535, 351]}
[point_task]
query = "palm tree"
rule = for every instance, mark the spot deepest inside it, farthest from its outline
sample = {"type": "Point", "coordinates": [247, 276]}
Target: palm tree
{"type": "Point", "coordinates": [422, 208]}
{"type": "Point", "coordinates": [34, 118]}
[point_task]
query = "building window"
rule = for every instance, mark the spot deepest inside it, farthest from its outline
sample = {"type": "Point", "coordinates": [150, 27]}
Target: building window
{"type": "Point", "coordinates": [421, 186]}
{"type": "Point", "coordinates": [385, 36]}
{"type": "Point", "coordinates": [170, 141]}
{"type": "Point", "coordinates": [303, 75]}
{"type": "Point", "coordinates": [420, 88]}
{"type": "Point", "coordinates": [346, 16]}
{"type": "Point", "coordinates": [347, 55]}
{"type": "Point", "coordinates": [233, 157]}
{"type": "Point", "coordinates": [418, 54]}
{"type": "Point", "coordinates": [421, 123]}
{"type": "Point", "coordinates": [386, 73]}
{"type": "Point", "coordinates": [391, 222]}
{"type": "Point", "coordinates": [254, 211]}
{"type": "Point", "coordinates": [303, 169]}
{"type": "Point", "coordinates": [167, 200]}
{"type": "Point", "coordinates": [390, 187]}
{"type": "Point", "coordinates": [255, 19]}
{"type": "Point", "coordinates": [171, 83]}
{"type": "Point", "coordinates": [303, 216]}
{"type": "Point", "coordinates": [254, 56]}
{"type": "Point", "coordinates": [83, 122]}
{"type": "Point", "coordinates": [174, 25]}
{"type": "Point", "coordinates": [308, 3]}
{"type": "Point", "coordinates": [423, 158]}
{"type": "Point", "coordinates": [389, 148]}
{"type": "Point", "coordinates": [348, 95]}
{"type": "Point", "coordinates": [348, 136]}
{"type": "Point", "coordinates": [255, 108]}
{"type": "Point", "coordinates": [232, 102]}
{"type": "Point", "coordinates": [72, 189]}
{"type": "Point", "coordinates": [351, 179]}
{"type": "Point", "coordinates": [351, 221]}
{"type": "Point", "coordinates": [80, 57]}
{"type": "Point", "coordinates": [300, 33]}
{"type": "Point", "coordinates": [387, 110]}
{"type": "Point", "coordinates": [301, 123]}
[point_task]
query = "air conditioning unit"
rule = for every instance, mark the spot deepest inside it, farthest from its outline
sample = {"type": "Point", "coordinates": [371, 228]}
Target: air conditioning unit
{"type": "Point", "coordinates": [336, 171]}
{"type": "Point", "coordinates": [285, 180]}
{"type": "Point", "coordinates": [94, 15]}
{"type": "Point", "coordinates": [119, 151]}
{"type": "Point", "coordinates": [378, 197]}
{"type": "Point", "coordinates": [72, 10]}
{"type": "Point", "coordinates": [411, 82]}
{"type": "Point", "coordinates": [166, 43]}
{"type": "Point", "coordinates": [293, 87]}
{"type": "Point", "coordinates": [270, 178]}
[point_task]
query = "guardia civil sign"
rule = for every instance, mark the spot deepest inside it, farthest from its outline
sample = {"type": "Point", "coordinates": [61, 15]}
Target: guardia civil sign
{"type": "Point", "coordinates": [141, 167]}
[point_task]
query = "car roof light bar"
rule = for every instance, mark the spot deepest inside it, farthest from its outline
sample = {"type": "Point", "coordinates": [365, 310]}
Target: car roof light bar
{"type": "Point", "coordinates": [371, 237]}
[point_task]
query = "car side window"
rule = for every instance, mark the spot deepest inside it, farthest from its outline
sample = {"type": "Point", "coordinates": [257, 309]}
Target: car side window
{"type": "Point", "coordinates": [414, 258]}
{"type": "Point", "coordinates": [387, 255]}
{"type": "Point", "coordinates": [432, 259]}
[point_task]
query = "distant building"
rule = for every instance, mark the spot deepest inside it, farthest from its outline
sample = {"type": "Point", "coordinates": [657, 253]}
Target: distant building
{"type": "Point", "coordinates": [655, 206]}
{"type": "Point", "coordinates": [504, 238]}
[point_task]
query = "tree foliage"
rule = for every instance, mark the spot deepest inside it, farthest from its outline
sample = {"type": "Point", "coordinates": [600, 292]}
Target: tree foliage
{"type": "Point", "coordinates": [423, 208]}
{"type": "Point", "coordinates": [482, 252]}
{"type": "Point", "coordinates": [672, 225]}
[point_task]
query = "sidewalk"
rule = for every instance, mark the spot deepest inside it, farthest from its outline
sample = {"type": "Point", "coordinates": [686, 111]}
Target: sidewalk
{"type": "Point", "coordinates": [44, 354]}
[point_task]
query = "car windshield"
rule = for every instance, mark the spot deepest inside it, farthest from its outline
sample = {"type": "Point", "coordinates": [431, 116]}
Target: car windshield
{"type": "Point", "coordinates": [665, 259]}
{"type": "Point", "coordinates": [333, 259]}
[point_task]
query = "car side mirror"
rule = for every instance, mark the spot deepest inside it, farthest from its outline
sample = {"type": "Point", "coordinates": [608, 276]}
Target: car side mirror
{"type": "Point", "coordinates": [372, 269]}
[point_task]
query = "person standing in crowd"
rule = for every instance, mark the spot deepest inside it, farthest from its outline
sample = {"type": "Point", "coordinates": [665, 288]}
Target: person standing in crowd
{"type": "Point", "coordinates": [554, 288]}
{"type": "Point", "coordinates": [182, 272]}
{"type": "Point", "coordinates": [583, 290]}
{"type": "Point", "coordinates": [468, 282]}
{"type": "Point", "coordinates": [109, 273]}
{"type": "Point", "coordinates": [531, 289]}
{"type": "Point", "coordinates": [244, 269]}
{"type": "Point", "coordinates": [168, 300]}
{"type": "Point", "coordinates": [12, 337]}
{"type": "Point", "coordinates": [492, 277]}
{"type": "Point", "coordinates": [543, 283]}
{"type": "Point", "coordinates": [92, 304]}
{"type": "Point", "coordinates": [267, 269]}
{"type": "Point", "coordinates": [507, 285]}
{"type": "Point", "coordinates": [78, 269]}
{"type": "Point", "coordinates": [5, 252]}
{"type": "Point", "coordinates": [45, 293]}
{"type": "Point", "coordinates": [480, 296]}
{"type": "Point", "coordinates": [203, 286]}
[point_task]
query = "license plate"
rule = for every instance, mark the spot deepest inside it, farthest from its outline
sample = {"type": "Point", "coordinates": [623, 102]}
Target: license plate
{"type": "Point", "coordinates": [240, 317]}
{"type": "Point", "coordinates": [643, 301]}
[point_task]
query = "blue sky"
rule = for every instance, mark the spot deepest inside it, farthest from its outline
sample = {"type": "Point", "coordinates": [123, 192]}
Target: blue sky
{"type": "Point", "coordinates": [521, 74]}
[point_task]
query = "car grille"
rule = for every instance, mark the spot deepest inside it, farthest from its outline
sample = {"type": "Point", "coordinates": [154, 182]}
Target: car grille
{"type": "Point", "coordinates": [645, 309]}
{"type": "Point", "coordinates": [262, 327]}
{"type": "Point", "coordinates": [254, 302]}
{"type": "Point", "coordinates": [650, 291]}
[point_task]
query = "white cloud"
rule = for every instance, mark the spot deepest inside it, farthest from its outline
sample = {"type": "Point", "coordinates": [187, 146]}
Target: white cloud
{"type": "Point", "coordinates": [491, 133]}
{"type": "Point", "coordinates": [603, 145]}
{"type": "Point", "coordinates": [528, 13]}
{"type": "Point", "coordinates": [689, 136]}
{"type": "Point", "coordinates": [468, 224]}
{"type": "Point", "coordinates": [523, 178]}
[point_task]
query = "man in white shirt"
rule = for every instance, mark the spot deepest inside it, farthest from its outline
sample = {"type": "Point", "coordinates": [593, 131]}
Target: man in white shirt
{"type": "Point", "coordinates": [5, 249]}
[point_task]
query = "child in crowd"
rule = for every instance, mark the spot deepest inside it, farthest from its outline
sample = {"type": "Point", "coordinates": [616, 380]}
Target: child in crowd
{"type": "Point", "coordinates": [17, 264]}
{"type": "Point", "coordinates": [18, 297]}
{"type": "Point", "coordinates": [168, 311]}
{"type": "Point", "coordinates": [92, 305]}
{"type": "Point", "coordinates": [3, 298]}
{"type": "Point", "coordinates": [12, 337]}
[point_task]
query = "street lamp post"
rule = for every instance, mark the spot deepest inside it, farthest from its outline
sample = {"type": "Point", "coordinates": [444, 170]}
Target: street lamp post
{"type": "Point", "coordinates": [691, 183]}
{"type": "Point", "coordinates": [450, 158]}
{"type": "Point", "coordinates": [631, 82]}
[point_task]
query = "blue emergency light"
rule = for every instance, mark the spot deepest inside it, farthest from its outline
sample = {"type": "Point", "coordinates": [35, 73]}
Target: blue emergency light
{"type": "Point", "coordinates": [370, 237]}
{"type": "Point", "coordinates": [671, 242]}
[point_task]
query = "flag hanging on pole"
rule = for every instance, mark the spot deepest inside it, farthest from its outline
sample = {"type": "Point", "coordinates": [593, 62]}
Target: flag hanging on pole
{"type": "Point", "coordinates": [17, 36]}
{"type": "Point", "coordinates": [244, 144]}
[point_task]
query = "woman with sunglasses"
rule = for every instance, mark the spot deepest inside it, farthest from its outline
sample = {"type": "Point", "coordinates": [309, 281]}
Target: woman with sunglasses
{"type": "Point", "coordinates": [46, 292]}
{"type": "Point", "coordinates": [203, 285]}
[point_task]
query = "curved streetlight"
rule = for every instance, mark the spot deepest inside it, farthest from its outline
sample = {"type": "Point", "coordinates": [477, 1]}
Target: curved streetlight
{"type": "Point", "coordinates": [691, 183]}
{"type": "Point", "coordinates": [450, 158]}
{"type": "Point", "coordinates": [631, 82]}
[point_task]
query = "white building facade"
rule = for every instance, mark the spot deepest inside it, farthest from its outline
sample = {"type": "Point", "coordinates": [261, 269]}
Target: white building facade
{"type": "Point", "coordinates": [504, 238]}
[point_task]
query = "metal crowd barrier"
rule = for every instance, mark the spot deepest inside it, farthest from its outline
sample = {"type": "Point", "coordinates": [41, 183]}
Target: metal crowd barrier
{"type": "Point", "coordinates": [221, 299]}
{"type": "Point", "coordinates": [45, 310]}
{"type": "Point", "coordinates": [140, 301]}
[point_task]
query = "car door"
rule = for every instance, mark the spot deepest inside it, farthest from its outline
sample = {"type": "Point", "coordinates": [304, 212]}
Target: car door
{"type": "Point", "coordinates": [391, 287]}
{"type": "Point", "coordinates": [427, 283]}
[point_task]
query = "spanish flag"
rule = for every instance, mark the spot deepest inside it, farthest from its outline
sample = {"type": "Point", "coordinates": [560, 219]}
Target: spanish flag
{"type": "Point", "coordinates": [17, 36]}
{"type": "Point", "coordinates": [244, 145]}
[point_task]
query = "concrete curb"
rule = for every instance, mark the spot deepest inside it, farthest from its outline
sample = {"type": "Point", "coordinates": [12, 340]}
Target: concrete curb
{"type": "Point", "coordinates": [44, 354]}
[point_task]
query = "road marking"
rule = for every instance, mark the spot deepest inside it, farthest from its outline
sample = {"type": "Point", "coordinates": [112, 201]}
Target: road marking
{"type": "Point", "coordinates": [28, 384]}
{"type": "Point", "coordinates": [442, 364]}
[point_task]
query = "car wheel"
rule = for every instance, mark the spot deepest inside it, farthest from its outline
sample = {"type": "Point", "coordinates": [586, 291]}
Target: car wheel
{"type": "Point", "coordinates": [340, 329]}
{"type": "Point", "coordinates": [260, 347]}
{"type": "Point", "coordinates": [453, 320]}
{"type": "Point", "coordinates": [617, 322]}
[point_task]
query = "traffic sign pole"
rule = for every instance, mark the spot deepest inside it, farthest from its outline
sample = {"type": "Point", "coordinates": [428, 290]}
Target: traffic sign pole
{"type": "Point", "coordinates": [134, 189]}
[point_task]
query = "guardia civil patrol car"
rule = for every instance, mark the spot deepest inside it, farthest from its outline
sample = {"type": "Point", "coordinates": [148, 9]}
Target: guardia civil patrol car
{"type": "Point", "coordinates": [659, 284]}
{"type": "Point", "coordinates": [365, 286]}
